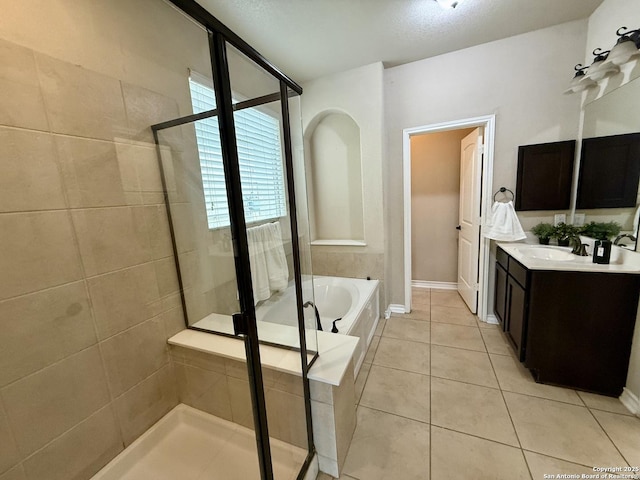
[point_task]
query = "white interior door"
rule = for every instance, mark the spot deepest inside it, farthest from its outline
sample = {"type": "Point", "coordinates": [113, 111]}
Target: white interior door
{"type": "Point", "coordinates": [469, 218]}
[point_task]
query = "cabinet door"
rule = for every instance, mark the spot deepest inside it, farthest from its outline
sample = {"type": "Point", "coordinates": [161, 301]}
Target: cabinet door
{"type": "Point", "coordinates": [544, 177]}
{"type": "Point", "coordinates": [500, 296]}
{"type": "Point", "coordinates": [609, 171]}
{"type": "Point", "coordinates": [516, 314]}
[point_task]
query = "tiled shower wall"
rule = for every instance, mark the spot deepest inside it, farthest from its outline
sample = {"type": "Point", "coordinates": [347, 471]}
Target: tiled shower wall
{"type": "Point", "coordinates": [88, 290]}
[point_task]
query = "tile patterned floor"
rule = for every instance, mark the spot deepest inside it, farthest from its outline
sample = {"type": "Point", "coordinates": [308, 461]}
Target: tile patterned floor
{"type": "Point", "coordinates": [442, 396]}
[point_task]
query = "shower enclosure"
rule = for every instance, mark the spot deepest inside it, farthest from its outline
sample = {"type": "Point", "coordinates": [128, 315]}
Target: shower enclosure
{"type": "Point", "coordinates": [233, 176]}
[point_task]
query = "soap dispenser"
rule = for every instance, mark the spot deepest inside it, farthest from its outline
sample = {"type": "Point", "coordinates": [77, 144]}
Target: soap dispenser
{"type": "Point", "coordinates": [602, 251]}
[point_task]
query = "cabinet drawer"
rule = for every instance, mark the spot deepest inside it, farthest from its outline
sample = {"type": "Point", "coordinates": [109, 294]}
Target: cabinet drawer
{"type": "Point", "coordinates": [502, 258]}
{"type": "Point", "coordinates": [518, 272]}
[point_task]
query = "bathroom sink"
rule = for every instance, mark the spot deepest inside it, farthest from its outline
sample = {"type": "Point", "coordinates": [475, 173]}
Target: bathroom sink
{"type": "Point", "coordinates": [547, 253]}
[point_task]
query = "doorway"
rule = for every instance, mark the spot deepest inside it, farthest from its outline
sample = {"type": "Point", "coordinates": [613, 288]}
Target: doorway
{"type": "Point", "coordinates": [479, 198]}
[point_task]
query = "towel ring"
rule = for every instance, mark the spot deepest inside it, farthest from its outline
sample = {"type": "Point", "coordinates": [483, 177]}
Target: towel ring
{"type": "Point", "coordinates": [502, 190]}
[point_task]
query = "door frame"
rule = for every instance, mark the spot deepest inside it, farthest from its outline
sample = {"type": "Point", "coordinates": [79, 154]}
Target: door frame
{"type": "Point", "coordinates": [486, 172]}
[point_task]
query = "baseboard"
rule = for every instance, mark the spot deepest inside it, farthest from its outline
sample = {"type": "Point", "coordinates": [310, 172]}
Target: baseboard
{"type": "Point", "coordinates": [434, 285]}
{"type": "Point", "coordinates": [631, 401]}
{"type": "Point", "coordinates": [492, 319]}
{"type": "Point", "coordinates": [394, 308]}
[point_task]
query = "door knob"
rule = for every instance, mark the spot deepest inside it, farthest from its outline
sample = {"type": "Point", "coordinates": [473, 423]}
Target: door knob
{"type": "Point", "coordinates": [458, 227]}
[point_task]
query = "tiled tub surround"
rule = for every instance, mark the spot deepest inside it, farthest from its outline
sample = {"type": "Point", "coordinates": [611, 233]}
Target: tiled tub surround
{"type": "Point", "coordinates": [441, 393]}
{"type": "Point", "coordinates": [88, 294]}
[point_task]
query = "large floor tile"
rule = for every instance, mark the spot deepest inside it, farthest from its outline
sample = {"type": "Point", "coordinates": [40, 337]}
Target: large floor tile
{"type": "Point", "coordinates": [407, 329]}
{"type": "Point", "coordinates": [564, 431]}
{"type": "Point", "coordinates": [457, 336]}
{"type": "Point", "coordinates": [514, 377]}
{"type": "Point", "coordinates": [496, 342]}
{"type": "Point", "coordinates": [456, 455]}
{"type": "Point", "coordinates": [393, 391]}
{"type": "Point", "coordinates": [600, 402]}
{"type": "Point", "coordinates": [453, 315]}
{"type": "Point", "coordinates": [472, 409]}
{"type": "Point", "coordinates": [462, 365]}
{"type": "Point", "coordinates": [624, 431]}
{"type": "Point", "coordinates": [403, 355]}
{"type": "Point", "coordinates": [386, 446]}
{"type": "Point", "coordinates": [421, 297]}
{"type": "Point", "coordinates": [447, 298]}
{"type": "Point", "coordinates": [541, 465]}
{"type": "Point", "coordinates": [418, 312]}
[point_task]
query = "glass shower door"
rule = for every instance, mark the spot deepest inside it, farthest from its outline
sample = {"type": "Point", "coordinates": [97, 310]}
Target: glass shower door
{"type": "Point", "coordinates": [228, 173]}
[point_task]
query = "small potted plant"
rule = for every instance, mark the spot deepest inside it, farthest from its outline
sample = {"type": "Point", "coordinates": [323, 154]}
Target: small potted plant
{"type": "Point", "coordinates": [601, 230]}
{"type": "Point", "coordinates": [544, 231]}
{"type": "Point", "coordinates": [564, 232]}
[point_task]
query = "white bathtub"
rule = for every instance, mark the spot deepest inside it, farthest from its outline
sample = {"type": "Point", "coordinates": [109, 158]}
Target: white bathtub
{"type": "Point", "coordinates": [353, 300]}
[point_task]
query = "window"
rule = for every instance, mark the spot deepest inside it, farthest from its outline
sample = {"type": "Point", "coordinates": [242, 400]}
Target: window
{"type": "Point", "coordinates": [259, 155]}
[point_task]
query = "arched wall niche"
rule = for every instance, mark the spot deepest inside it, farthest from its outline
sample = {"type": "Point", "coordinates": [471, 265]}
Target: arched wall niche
{"type": "Point", "coordinates": [334, 179]}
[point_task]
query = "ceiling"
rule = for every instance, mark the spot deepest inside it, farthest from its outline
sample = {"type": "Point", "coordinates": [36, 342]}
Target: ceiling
{"type": "Point", "coordinates": [309, 39]}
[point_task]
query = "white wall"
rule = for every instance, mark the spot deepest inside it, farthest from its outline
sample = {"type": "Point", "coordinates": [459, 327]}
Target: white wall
{"type": "Point", "coordinates": [519, 79]}
{"type": "Point", "coordinates": [359, 94]}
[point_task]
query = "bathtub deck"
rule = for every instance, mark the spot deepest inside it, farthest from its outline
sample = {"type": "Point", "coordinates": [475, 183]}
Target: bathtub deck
{"type": "Point", "coordinates": [188, 444]}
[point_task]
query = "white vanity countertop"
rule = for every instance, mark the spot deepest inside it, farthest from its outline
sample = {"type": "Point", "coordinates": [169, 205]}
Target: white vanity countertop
{"type": "Point", "coordinates": [622, 260]}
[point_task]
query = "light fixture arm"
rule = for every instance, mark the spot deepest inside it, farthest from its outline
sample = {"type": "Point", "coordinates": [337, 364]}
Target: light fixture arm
{"type": "Point", "coordinates": [633, 35]}
{"type": "Point", "coordinates": [600, 55]}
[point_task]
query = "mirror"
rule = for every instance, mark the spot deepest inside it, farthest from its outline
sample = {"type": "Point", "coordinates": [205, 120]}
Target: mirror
{"type": "Point", "coordinates": [617, 112]}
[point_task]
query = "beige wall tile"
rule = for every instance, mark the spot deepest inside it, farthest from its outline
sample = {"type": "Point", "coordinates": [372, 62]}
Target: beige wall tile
{"type": "Point", "coordinates": [9, 455]}
{"type": "Point", "coordinates": [79, 453]}
{"type": "Point", "coordinates": [79, 101]}
{"type": "Point", "coordinates": [124, 298]}
{"type": "Point", "coordinates": [16, 473]}
{"type": "Point", "coordinates": [286, 417]}
{"type": "Point", "coordinates": [146, 403]}
{"type": "Point", "coordinates": [345, 412]}
{"type": "Point", "coordinates": [91, 172]}
{"type": "Point", "coordinates": [42, 328]}
{"type": "Point", "coordinates": [21, 103]}
{"type": "Point", "coordinates": [133, 355]}
{"type": "Point", "coordinates": [111, 238]}
{"type": "Point", "coordinates": [29, 176]}
{"type": "Point", "coordinates": [157, 225]}
{"type": "Point", "coordinates": [203, 360]}
{"type": "Point", "coordinates": [240, 398]}
{"type": "Point", "coordinates": [37, 250]}
{"type": "Point", "coordinates": [167, 276]}
{"type": "Point", "coordinates": [173, 321]}
{"type": "Point", "coordinates": [145, 108]}
{"type": "Point", "coordinates": [44, 405]}
{"type": "Point", "coordinates": [143, 159]}
{"type": "Point", "coordinates": [203, 389]}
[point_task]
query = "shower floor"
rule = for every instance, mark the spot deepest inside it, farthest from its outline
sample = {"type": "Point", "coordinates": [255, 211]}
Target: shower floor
{"type": "Point", "coordinates": [192, 445]}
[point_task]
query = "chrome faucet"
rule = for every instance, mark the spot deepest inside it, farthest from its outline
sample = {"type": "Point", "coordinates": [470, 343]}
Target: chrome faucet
{"type": "Point", "coordinates": [620, 237]}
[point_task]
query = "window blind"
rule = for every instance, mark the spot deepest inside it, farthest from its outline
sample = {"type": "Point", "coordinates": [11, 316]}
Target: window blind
{"type": "Point", "coordinates": [259, 155]}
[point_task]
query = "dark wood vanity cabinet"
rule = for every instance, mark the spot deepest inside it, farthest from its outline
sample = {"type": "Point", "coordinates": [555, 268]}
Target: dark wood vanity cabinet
{"type": "Point", "coordinates": [510, 300]}
{"type": "Point", "coordinates": [570, 328]}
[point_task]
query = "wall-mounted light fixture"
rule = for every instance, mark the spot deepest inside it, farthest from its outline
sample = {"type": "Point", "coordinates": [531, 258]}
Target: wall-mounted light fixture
{"type": "Point", "coordinates": [607, 62]}
{"type": "Point", "coordinates": [448, 3]}
{"type": "Point", "coordinates": [626, 48]}
{"type": "Point", "coordinates": [600, 69]}
{"type": "Point", "coordinates": [580, 81]}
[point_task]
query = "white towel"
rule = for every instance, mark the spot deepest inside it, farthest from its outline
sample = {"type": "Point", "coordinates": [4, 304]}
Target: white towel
{"type": "Point", "coordinates": [503, 223]}
{"type": "Point", "coordinates": [269, 269]}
